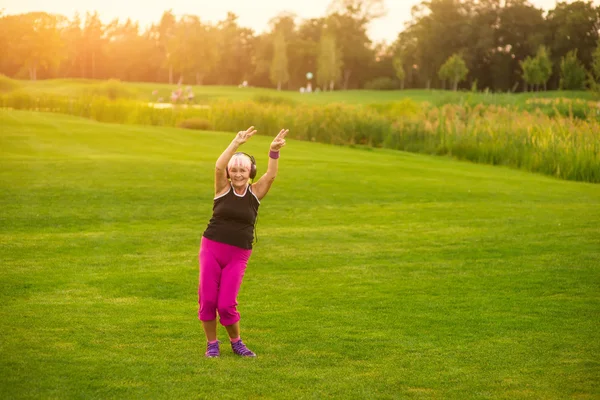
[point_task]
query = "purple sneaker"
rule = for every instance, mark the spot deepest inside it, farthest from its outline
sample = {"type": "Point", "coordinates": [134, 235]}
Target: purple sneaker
{"type": "Point", "coordinates": [212, 350]}
{"type": "Point", "coordinates": [240, 349]}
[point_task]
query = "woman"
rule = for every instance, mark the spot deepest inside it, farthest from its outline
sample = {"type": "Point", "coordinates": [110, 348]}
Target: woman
{"type": "Point", "coordinates": [227, 241]}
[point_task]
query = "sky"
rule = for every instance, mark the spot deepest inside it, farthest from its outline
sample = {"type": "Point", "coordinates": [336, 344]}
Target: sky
{"type": "Point", "coordinates": [254, 14]}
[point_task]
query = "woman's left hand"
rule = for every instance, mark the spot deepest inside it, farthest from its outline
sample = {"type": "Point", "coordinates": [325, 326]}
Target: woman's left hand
{"type": "Point", "coordinates": [279, 140]}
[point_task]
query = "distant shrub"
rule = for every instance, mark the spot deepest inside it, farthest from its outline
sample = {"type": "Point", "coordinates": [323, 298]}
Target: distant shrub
{"type": "Point", "coordinates": [275, 100]}
{"type": "Point", "coordinates": [195, 123]}
{"type": "Point", "coordinates": [7, 84]}
{"type": "Point", "coordinates": [382, 83]}
{"type": "Point", "coordinates": [113, 89]}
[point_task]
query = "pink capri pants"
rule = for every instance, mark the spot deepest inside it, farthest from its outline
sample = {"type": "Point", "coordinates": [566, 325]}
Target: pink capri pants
{"type": "Point", "coordinates": [222, 268]}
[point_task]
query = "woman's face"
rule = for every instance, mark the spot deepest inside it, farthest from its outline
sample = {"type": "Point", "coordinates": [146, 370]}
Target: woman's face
{"type": "Point", "coordinates": [239, 170]}
{"type": "Point", "coordinates": [239, 175]}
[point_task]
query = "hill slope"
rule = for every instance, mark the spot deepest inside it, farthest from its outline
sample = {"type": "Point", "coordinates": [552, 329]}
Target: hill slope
{"type": "Point", "coordinates": [376, 274]}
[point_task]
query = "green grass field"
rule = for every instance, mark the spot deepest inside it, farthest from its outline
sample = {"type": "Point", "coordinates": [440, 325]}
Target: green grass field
{"type": "Point", "coordinates": [378, 274]}
{"type": "Point", "coordinates": [208, 94]}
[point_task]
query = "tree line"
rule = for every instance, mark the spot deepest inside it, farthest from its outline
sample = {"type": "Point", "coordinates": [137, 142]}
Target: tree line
{"type": "Point", "coordinates": [500, 45]}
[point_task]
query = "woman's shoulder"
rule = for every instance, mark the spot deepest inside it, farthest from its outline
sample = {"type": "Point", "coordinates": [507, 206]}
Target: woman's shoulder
{"type": "Point", "coordinates": [251, 190]}
{"type": "Point", "coordinates": [222, 193]}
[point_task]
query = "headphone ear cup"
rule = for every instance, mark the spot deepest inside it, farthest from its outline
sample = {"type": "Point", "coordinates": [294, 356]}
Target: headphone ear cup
{"type": "Point", "coordinates": [253, 168]}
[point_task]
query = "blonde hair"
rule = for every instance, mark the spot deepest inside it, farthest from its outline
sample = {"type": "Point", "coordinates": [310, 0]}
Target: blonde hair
{"type": "Point", "coordinates": [240, 160]}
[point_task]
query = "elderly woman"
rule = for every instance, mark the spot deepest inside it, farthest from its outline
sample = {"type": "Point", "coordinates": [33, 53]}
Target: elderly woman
{"type": "Point", "coordinates": [227, 241]}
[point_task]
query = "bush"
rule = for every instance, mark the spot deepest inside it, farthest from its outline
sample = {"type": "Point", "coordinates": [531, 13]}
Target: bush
{"type": "Point", "coordinates": [113, 89]}
{"type": "Point", "coordinates": [195, 123]}
{"type": "Point", "coordinates": [382, 83]}
{"type": "Point", "coordinates": [7, 84]}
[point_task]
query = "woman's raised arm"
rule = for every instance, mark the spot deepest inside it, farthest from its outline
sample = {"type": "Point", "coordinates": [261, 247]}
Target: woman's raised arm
{"type": "Point", "coordinates": [262, 186]}
{"type": "Point", "coordinates": [221, 182]}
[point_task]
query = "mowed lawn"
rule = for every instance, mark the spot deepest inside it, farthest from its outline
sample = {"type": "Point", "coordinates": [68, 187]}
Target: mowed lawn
{"type": "Point", "coordinates": [377, 274]}
{"type": "Point", "coordinates": [205, 94]}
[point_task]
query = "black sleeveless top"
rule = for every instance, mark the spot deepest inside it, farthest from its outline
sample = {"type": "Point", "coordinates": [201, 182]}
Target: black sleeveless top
{"type": "Point", "coordinates": [233, 218]}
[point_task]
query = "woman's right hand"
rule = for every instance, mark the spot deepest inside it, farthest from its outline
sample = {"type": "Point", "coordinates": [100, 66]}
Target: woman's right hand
{"type": "Point", "coordinates": [243, 136]}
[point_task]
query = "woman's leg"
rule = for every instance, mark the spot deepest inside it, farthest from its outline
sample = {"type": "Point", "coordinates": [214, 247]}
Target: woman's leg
{"type": "Point", "coordinates": [210, 330]}
{"type": "Point", "coordinates": [231, 280]}
{"type": "Point", "coordinates": [208, 289]}
{"type": "Point", "coordinates": [233, 330]}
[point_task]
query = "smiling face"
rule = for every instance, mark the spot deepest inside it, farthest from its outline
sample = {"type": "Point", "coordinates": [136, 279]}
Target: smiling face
{"type": "Point", "coordinates": [239, 170]}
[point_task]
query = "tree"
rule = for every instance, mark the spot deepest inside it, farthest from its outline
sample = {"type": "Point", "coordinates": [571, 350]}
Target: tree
{"type": "Point", "coordinates": [574, 26]}
{"type": "Point", "coordinates": [521, 31]}
{"type": "Point", "coordinates": [166, 32]}
{"type": "Point", "coordinates": [181, 55]}
{"type": "Point", "coordinates": [206, 51]}
{"type": "Point", "coordinates": [406, 46]}
{"type": "Point", "coordinates": [72, 37]}
{"type": "Point", "coordinates": [279, 66]}
{"type": "Point", "coordinates": [537, 70]}
{"type": "Point", "coordinates": [93, 44]}
{"type": "Point", "coordinates": [300, 49]}
{"type": "Point", "coordinates": [236, 49]}
{"type": "Point", "coordinates": [263, 53]}
{"type": "Point", "coordinates": [36, 41]}
{"type": "Point", "coordinates": [348, 21]}
{"type": "Point", "coordinates": [356, 50]}
{"type": "Point", "coordinates": [545, 65]}
{"type": "Point", "coordinates": [199, 47]}
{"type": "Point", "coordinates": [572, 72]}
{"type": "Point", "coordinates": [305, 54]}
{"type": "Point", "coordinates": [399, 68]}
{"type": "Point", "coordinates": [361, 10]}
{"type": "Point", "coordinates": [11, 30]}
{"type": "Point", "coordinates": [596, 62]}
{"type": "Point", "coordinates": [454, 70]}
{"type": "Point", "coordinates": [481, 39]}
{"type": "Point", "coordinates": [531, 71]}
{"type": "Point", "coordinates": [125, 41]}
{"type": "Point", "coordinates": [439, 29]}
{"type": "Point", "coordinates": [380, 73]}
{"type": "Point", "coordinates": [594, 75]}
{"type": "Point", "coordinates": [497, 39]}
{"type": "Point", "coordinates": [329, 63]}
